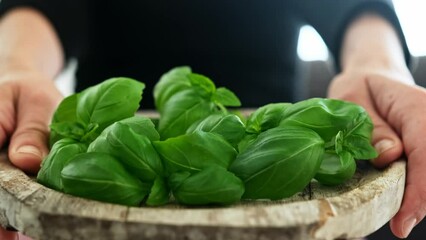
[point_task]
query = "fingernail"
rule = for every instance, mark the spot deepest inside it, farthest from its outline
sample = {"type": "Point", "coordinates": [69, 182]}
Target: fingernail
{"type": "Point", "coordinates": [408, 226]}
{"type": "Point", "coordinates": [384, 145]}
{"type": "Point", "coordinates": [29, 149]}
{"type": "Point", "coordinates": [23, 237]}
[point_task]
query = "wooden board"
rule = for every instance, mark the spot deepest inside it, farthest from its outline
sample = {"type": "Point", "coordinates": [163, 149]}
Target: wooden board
{"type": "Point", "coordinates": [355, 209]}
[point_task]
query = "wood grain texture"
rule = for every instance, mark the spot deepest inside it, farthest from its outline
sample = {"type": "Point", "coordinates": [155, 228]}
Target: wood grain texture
{"type": "Point", "coordinates": [355, 209]}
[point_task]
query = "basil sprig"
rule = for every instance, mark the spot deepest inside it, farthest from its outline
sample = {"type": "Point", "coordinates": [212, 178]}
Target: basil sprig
{"type": "Point", "coordinates": [198, 152]}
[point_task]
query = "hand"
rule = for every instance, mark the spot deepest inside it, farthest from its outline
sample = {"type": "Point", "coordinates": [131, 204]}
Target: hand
{"type": "Point", "coordinates": [27, 102]}
{"type": "Point", "coordinates": [8, 235]}
{"type": "Point", "coordinates": [397, 108]}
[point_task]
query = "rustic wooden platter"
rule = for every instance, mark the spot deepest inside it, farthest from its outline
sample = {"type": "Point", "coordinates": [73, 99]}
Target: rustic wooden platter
{"type": "Point", "coordinates": [353, 210]}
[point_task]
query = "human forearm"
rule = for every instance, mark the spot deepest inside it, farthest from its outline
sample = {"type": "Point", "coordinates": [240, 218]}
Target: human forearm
{"type": "Point", "coordinates": [28, 41]}
{"type": "Point", "coordinates": [371, 43]}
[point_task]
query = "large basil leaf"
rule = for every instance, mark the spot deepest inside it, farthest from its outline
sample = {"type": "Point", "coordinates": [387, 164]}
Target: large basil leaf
{"type": "Point", "coordinates": [279, 163]}
{"type": "Point", "coordinates": [101, 177]}
{"type": "Point", "coordinates": [212, 185]}
{"type": "Point", "coordinates": [229, 126]}
{"type": "Point", "coordinates": [183, 109]}
{"type": "Point", "coordinates": [108, 102]}
{"type": "Point", "coordinates": [195, 151]}
{"type": "Point", "coordinates": [226, 97]}
{"type": "Point", "coordinates": [133, 150]}
{"type": "Point", "coordinates": [325, 116]}
{"type": "Point", "coordinates": [51, 167]}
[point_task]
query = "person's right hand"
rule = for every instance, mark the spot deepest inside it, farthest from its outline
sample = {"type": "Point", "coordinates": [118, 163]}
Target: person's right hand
{"type": "Point", "coordinates": [27, 103]}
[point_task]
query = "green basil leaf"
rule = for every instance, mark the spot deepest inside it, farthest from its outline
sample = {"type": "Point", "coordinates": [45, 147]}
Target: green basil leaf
{"type": "Point", "coordinates": [246, 141]}
{"type": "Point", "coordinates": [170, 83]}
{"type": "Point", "coordinates": [279, 163]}
{"type": "Point", "coordinates": [51, 167]}
{"type": "Point", "coordinates": [184, 108]}
{"type": "Point", "coordinates": [202, 84]}
{"type": "Point", "coordinates": [229, 126]}
{"type": "Point", "coordinates": [226, 97]}
{"type": "Point", "coordinates": [266, 117]}
{"type": "Point", "coordinates": [61, 130]}
{"type": "Point", "coordinates": [142, 126]}
{"type": "Point", "coordinates": [109, 101]}
{"type": "Point", "coordinates": [194, 152]}
{"type": "Point", "coordinates": [160, 193]}
{"type": "Point", "coordinates": [325, 116]}
{"type": "Point", "coordinates": [133, 150]}
{"type": "Point", "coordinates": [212, 185]}
{"type": "Point", "coordinates": [101, 177]}
{"type": "Point", "coordinates": [336, 169]}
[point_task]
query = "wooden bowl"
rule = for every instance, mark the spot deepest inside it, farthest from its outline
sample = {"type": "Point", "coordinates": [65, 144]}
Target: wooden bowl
{"type": "Point", "coordinates": [353, 210]}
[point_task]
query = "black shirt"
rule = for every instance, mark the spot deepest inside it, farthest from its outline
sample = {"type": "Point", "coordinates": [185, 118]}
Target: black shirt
{"type": "Point", "coordinates": [248, 46]}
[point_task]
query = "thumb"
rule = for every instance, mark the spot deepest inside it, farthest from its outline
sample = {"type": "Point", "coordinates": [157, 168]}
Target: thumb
{"type": "Point", "coordinates": [29, 143]}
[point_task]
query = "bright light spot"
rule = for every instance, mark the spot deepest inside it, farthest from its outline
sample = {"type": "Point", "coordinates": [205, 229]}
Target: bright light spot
{"type": "Point", "coordinates": [412, 16]}
{"type": "Point", "coordinates": [311, 47]}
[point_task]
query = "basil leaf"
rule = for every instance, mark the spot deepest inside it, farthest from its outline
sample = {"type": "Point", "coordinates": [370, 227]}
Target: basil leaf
{"type": "Point", "coordinates": [133, 150]}
{"type": "Point", "coordinates": [229, 126]}
{"type": "Point", "coordinates": [325, 116]}
{"type": "Point", "coordinates": [101, 177]}
{"type": "Point", "coordinates": [246, 141]}
{"type": "Point", "coordinates": [142, 126]}
{"type": "Point", "coordinates": [335, 168]}
{"type": "Point", "coordinates": [194, 152]}
{"type": "Point", "coordinates": [159, 194]}
{"type": "Point", "coordinates": [170, 83]}
{"type": "Point", "coordinates": [212, 185]}
{"type": "Point", "coordinates": [279, 163]}
{"type": "Point", "coordinates": [183, 109]}
{"type": "Point", "coordinates": [226, 97]}
{"type": "Point", "coordinates": [204, 86]}
{"type": "Point", "coordinates": [51, 167]}
{"type": "Point", "coordinates": [266, 117]}
{"type": "Point", "coordinates": [108, 102]}
{"type": "Point", "coordinates": [64, 113]}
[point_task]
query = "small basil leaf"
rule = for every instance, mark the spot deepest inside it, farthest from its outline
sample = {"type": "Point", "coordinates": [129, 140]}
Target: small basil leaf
{"type": "Point", "coordinates": [65, 112]}
{"type": "Point", "coordinates": [159, 194]}
{"type": "Point", "coordinates": [170, 83]}
{"type": "Point", "coordinates": [101, 177]}
{"type": "Point", "coordinates": [229, 126]}
{"type": "Point", "coordinates": [183, 109]}
{"type": "Point", "coordinates": [142, 126]}
{"type": "Point", "coordinates": [226, 97]}
{"type": "Point", "coordinates": [202, 84]}
{"type": "Point", "coordinates": [51, 167]}
{"type": "Point", "coordinates": [194, 152]}
{"type": "Point", "coordinates": [246, 141]}
{"type": "Point", "coordinates": [72, 130]}
{"type": "Point", "coordinates": [134, 151]}
{"type": "Point", "coordinates": [212, 185]}
{"type": "Point", "coordinates": [336, 169]}
{"type": "Point", "coordinates": [266, 117]}
{"type": "Point", "coordinates": [279, 163]}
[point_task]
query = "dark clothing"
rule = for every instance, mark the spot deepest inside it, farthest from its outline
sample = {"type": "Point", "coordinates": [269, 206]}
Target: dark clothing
{"type": "Point", "coordinates": [248, 46]}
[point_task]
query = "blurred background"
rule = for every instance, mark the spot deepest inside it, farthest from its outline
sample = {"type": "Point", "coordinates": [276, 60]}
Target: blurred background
{"type": "Point", "coordinates": [317, 70]}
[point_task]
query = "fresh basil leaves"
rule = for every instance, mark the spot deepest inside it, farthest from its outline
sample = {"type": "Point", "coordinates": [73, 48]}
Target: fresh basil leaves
{"type": "Point", "coordinates": [198, 152]}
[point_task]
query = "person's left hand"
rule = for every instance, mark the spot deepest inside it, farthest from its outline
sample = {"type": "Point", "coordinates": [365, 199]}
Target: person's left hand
{"type": "Point", "coordinates": [398, 110]}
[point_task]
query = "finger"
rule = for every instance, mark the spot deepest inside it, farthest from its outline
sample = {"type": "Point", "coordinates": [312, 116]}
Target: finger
{"type": "Point", "coordinates": [8, 235]}
{"type": "Point", "coordinates": [7, 113]}
{"type": "Point", "coordinates": [29, 143]}
{"type": "Point", "coordinates": [408, 115]}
